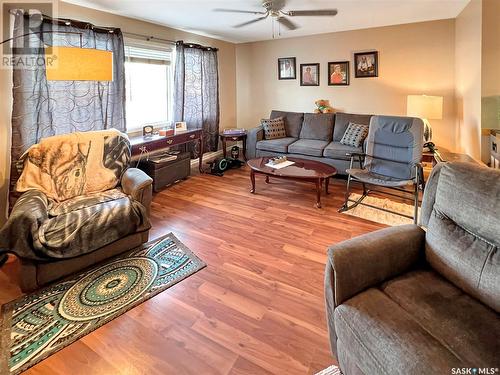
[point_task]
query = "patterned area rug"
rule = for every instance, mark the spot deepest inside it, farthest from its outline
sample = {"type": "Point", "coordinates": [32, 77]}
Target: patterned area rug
{"type": "Point", "coordinates": [37, 325]}
{"type": "Point", "coordinates": [379, 216]}
{"type": "Point", "coordinates": [332, 370]}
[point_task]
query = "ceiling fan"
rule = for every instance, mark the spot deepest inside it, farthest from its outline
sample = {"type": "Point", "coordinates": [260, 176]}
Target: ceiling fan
{"type": "Point", "coordinates": [274, 8]}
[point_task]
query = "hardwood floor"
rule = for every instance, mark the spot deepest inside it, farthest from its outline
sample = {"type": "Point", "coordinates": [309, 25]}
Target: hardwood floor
{"type": "Point", "coordinates": [256, 309]}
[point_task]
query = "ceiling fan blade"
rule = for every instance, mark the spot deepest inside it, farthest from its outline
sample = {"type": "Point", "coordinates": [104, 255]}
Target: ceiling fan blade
{"type": "Point", "coordinates": [287, 23]}
{"type": "Point", "coordinates": [250, 22]}
{"type": "Point", "coordinates": [237, 11]}
{"type": "Point", "coordinates": [318, 12]}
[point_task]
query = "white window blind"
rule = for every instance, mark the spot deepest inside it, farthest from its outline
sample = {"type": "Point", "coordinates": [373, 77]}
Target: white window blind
{"type": "Point", "coordinates": [149, 81]}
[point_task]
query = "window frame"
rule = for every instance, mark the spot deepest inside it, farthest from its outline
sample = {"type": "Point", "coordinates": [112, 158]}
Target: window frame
{"type": "Point", "coordinates": [167, 49]}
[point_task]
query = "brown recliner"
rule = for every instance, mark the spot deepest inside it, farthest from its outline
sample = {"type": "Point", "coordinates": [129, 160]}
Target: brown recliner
{"type": "Point", "coordinates": [53, 239]}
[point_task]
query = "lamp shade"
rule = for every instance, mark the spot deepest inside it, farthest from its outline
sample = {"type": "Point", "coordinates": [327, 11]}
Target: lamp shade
{"type": "Point", "coordinates": [78, 64]}
{"type": "Point", "coordinates": [425, 107]}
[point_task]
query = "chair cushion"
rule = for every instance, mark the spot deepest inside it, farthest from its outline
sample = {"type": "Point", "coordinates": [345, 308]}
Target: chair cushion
{"type": "Point", "coordinates": [394, 146]}
{"type": "Point", "coordinates": [372, 178]}
{"type": "Point", "coordinates": [293, 122]}
{"type": "Point", "coordinates": [273, 128]}
{"type": "Point", "coordinates": [385, 339]}
{"type": "Point", "coordinates": [309, 147]}
{"type": "Point", "coordinates": [414, 322]}
{"type": "Point", "coordinates": [354, 135]}
{"type": "Point", "coordinates": [458, 321]}
{"type": "Point", "coordinates": [342, 121]}
{"type": "Point", "coordinates": [336, 150]}
{"type": "Point", "coordinates": [275, 145]}
{"type": "Point", "coordinates": [85, 224]}
{"type": "Point", "coordinates": [317, 126]}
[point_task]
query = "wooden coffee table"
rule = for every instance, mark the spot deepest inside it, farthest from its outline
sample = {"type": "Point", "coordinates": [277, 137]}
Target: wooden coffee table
{"type": "Point", "coordinates": [302, 170]}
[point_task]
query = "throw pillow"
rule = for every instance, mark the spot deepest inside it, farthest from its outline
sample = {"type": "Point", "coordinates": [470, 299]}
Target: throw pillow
{"type": "Point", "coordinates": [354, 135]}
{"type": "Point", "coordinates": [274, 129]}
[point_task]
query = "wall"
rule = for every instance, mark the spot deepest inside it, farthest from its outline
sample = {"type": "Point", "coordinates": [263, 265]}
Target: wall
{"type": "Point", "coordinates": [227, 69]}
{"type": "Point", "coordinates": [490, 82]}
{"type": "Point", "coordinates": [468, 78]}
{"type": "Point", "coordinates": [413, 59]}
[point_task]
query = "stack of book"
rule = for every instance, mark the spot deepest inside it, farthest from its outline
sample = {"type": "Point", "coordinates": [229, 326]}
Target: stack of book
{"type": "Point", "coordinates": [234, 131]}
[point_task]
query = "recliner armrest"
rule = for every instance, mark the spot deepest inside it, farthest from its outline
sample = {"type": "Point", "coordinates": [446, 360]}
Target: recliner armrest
{"type": "Point", "coordinates": [138, 185]}
{"type": "Point", "coordinates": [21, 229]}
{"type": "Point", "coordinates": [254, 135]}
{"type": "Point", "coordinates": [373, 258]}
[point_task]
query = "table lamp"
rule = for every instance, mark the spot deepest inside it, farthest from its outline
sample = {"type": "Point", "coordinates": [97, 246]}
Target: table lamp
{"type": "Point", "coordinates": [427, 108]}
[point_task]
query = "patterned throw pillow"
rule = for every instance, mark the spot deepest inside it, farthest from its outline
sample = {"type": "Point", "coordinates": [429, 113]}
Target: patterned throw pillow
{"type": "Point", "coordinates": [354, 135]}
{"type": "Point", "coordinates": [274, 129]}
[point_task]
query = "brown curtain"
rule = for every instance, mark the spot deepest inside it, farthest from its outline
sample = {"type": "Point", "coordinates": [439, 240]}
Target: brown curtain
{"type": "Point", "coordinates": [196, 91]}
{"type": "Point", "coordinates": [43, 108]}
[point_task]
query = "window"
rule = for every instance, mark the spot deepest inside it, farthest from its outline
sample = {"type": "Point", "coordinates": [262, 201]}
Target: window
{"type": "Point", "coordinates": [149, 81]}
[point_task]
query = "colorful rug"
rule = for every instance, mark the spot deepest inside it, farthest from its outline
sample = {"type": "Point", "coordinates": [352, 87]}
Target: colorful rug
{"type": "Point", "coordinates": [37, 325]}
{"type": "Point", "coordinates": [379, 216]}
{"type": "Point", "coordinates": [332, 370]}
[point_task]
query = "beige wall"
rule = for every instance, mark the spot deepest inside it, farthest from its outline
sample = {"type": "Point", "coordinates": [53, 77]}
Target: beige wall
{"type": "Point", "coordinates": [227, 69]}
{"type": "Point", "coordinates": [414, 59]}
{"type": "Point", "coordinates": [490, 48]}
{"type": "Point", "coordinates": [468, 78]}
{"type": "Point", "coordinates": [490, 82]}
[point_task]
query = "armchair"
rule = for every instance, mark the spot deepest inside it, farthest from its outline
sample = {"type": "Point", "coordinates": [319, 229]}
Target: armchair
{"type": "Point", "coordinates": [392, 161]}
{"type": "Point", "coordinates": [76, 211]}
{"type": "Point", "coordinates": [402, 300]}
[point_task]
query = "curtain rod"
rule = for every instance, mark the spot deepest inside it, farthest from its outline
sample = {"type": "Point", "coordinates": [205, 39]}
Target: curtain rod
{"type": "Point", "coordinates": [83, 24]}
{"type": "Point", "coordinates": [149, 38]}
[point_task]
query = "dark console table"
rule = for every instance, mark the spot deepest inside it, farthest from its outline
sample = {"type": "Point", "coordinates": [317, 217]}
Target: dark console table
{"type": "Point", "coordinates": [141, 144]}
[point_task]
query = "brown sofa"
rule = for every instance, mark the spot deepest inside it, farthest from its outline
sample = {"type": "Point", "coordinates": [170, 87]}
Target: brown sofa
{"type": "Point", "coordinates": [407, 301]}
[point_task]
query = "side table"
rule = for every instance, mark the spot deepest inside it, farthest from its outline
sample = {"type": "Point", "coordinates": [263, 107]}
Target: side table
{"type": "Point", "coordinates": [234, 138]}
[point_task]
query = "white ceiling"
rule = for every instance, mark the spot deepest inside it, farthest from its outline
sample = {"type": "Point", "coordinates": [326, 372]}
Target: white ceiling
{"type": "Point", "coordinates": [197, 16]}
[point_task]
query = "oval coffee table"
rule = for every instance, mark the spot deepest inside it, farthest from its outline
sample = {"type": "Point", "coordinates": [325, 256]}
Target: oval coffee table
{"type": "Point", "coordinates": [302, 170]}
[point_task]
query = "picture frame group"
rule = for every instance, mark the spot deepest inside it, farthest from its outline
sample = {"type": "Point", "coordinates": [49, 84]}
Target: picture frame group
{"type": "Point", "coordinates": [365, 66]}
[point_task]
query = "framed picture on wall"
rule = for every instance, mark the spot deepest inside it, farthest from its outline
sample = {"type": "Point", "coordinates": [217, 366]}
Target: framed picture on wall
{"type": "Point", "coordinates": [287, 68]}
{"type": "Point", "coordinates": [366, 64]}
{"type": "Point", "coordinates": [338, 73]}
{"type": "Point", "coordinates": [309, 74]}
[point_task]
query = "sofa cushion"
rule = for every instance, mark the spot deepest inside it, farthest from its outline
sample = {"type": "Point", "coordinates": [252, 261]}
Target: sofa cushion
{"type": "Point", "coordinates": [273, 128]}
{"type": "Point", "coordinates": [310, 147]}
{"type": "Point", "coordinates": [463, 237]}
{"type": "Point", "coordinates": [293, 122]}
{"type": "Point", "coordinates": [458, 321]}
{"type": "Point", "coordinates": [317, 126]}
{"type": "Point", "coordinates": [354, 135]}
{"type": "Point", "coordinates": [342, 121]}
{"type": "Point", "coordinates": [336, 150]}
{"type": "Point", "coordinates": [275, 145]}
{"type": "Point", "coordinates": [385, 339]}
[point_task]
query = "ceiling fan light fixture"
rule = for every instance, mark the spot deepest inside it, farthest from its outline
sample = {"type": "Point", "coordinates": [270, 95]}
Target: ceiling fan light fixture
{"type": "Point", "coordinates": [274, 8]}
